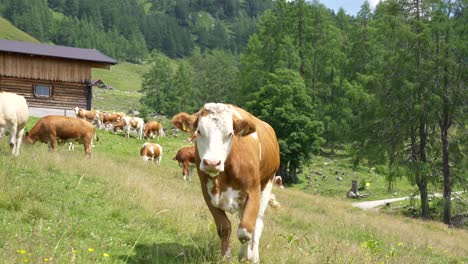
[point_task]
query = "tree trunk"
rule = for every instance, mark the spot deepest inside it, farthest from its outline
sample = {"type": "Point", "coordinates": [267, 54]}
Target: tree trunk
{"type": "Point", "coordinates": [422, 183]}
{"type": "Point", "coordinates": [293, 172]}
{"type": "Point", "coordinates": [446, 170]}
{"type": "Point", "coordinates": [283, 171]}
{"type": "Point", "coordinates": [422, 186]}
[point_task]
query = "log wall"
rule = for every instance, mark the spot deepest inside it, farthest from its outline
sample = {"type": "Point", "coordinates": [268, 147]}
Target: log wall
{"type": "Point", "coordinates": [64, 95]}
{"type": "Point", "coordinates": [45, 68]}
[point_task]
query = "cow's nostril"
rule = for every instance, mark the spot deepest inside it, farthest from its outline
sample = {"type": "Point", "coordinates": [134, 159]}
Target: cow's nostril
{"type": "Point", "coordinates": [211, 163]}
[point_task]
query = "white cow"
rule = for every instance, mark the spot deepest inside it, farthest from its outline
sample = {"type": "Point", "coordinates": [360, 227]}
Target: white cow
{"type": "Point", "coordinates": [14, 115]}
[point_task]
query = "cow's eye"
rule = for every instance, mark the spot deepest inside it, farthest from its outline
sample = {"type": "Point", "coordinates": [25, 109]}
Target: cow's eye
{"type": "Point", "coordinates": [198, 132]}
{"type": "Point", "coordinates": [230, 134]}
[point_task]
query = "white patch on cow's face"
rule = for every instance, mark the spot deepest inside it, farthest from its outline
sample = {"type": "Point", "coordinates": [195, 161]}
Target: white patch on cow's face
{"type": "Point", "coordinates": [214, 138]}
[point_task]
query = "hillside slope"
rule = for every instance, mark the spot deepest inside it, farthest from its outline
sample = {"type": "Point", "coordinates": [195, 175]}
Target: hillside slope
{"type": "Point", "coordinates": [114, 208]}
{"type": "Point", "coordinates": [8, 31]}
{"type": "Point", "coordinates": [125, 79]}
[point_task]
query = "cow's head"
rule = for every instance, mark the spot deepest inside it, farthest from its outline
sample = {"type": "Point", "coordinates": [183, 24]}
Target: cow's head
{"type": "Point", "coordinates": [215, 126]}
{"type": "Point", "coordinates": [29, 139]}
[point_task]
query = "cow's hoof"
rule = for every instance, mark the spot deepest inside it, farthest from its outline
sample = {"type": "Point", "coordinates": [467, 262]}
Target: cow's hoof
{"type": "Point", "coordinates": [243, 235]}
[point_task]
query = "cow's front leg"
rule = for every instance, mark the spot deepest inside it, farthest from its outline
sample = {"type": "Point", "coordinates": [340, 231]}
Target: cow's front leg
{"type": "Point", "coordinates": [248, 220]}
{"type": "Point", "coordinates": [52, 142]}
{"type": "Point", "coordinates": [223, 225]}
{"type": "Point", "coordinates": [249, 216]}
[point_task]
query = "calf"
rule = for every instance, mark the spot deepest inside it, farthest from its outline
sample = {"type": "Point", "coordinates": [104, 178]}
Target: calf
{"type": "Point", "coordinates": [186, 158]}
{"type": "Point", "coordinates": [51, 129]}
{"type": "Point", "coordinates": [14, 115]}
{"type": "Point", "coordinates": [130, 123]}
{"type": "Point", "coordinates": [151, 151]}
{"type": "Point", "coordinates": [153, 128]}
{"type": "Point", "coordinates": [237, 156]}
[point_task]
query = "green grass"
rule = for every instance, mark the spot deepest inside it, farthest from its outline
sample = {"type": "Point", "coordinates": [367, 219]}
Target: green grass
{"type": "Point", "coordinates": [114, 208]}
{"type": "Point", "coordinates": [10, 32]}
{"type": "Point", "coordinates": [320, 177]}
{"type": "Point", "coordinates": [126, 79]}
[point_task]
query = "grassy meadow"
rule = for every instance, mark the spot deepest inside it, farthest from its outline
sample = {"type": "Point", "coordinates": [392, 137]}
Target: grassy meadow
{"type": "Point", "coordinates": [114, 208]}
{"type": "Point", "coordinates": [125, 78]}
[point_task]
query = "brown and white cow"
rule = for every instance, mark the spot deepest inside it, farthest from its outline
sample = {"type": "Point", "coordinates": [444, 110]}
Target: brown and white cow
{"type": "Point", "coordinates": [153, 128]}
{"type": "Point", "coordinates": [130, 123]}
{"type": "Point", "coordinates": [186, 158]}
{"type": "Point", "coordinates": [151, 151]}
{"type": "Point", "coordinates": [92, 116]}
{"type": "Point", "coordinates": [107, 119]}
{"type": "Point", "coordinates": [14, 115]}
{"type": "Point", "coordinates": [237, 156]}
{"type": "Point", "coordinates": [52, 129]}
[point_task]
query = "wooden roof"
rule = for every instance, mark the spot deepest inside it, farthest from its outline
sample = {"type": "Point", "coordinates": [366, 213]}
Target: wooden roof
{"type": "Point", "coordinates": [64, 52]}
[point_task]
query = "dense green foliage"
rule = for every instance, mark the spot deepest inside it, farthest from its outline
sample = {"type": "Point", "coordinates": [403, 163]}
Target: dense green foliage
{"type": "Point", "coordinates": [389, 81]}
{"type": "Point", "coordinates": [128, 29]}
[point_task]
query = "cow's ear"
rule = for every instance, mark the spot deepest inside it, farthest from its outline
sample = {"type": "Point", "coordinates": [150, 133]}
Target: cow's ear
{"type": "Point", "coordinates": [185, 122]}
{"type": "Point", "coordinates": [243, 127]}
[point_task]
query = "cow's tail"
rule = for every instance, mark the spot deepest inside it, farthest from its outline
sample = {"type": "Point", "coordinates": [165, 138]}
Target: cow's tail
{"type": "Point", "coordinates": [273, 202]}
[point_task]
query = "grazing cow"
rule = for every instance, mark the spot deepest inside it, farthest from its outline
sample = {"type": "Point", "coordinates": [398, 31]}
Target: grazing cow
{"type": "Point", "coordinates": [153, 128]}
{"type": "Point", "coordinates": [130, 123]}
{"type": "Point", "coordinates": [186, 158]}
{"type": "Point", "coordinates": [14, 115]}
{"type": "Point", "coordinates": [151, 151]}
{"type": "Point", "coordinates": [109, 118]}
{"type": "Point", "coordinates": [237, 156]}
{"type": "Point", "coordinates": [52, 129]}
{"type": "Point", "coordinates": [92, 116]}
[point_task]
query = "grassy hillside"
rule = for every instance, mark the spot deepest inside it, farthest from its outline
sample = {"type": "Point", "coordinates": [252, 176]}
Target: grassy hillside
{"type": "Point", "coordinates": [126, 80]}
{"type": "Point", "coordinates": [114, 208]}
{"type": "Point", "coordinates": [8, 31]}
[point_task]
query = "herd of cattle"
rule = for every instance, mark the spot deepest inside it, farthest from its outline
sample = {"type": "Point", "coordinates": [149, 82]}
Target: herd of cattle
{"type": "Point", "coordinates": [235, 153]}
{"type": "Point", "coordinates": [55, 129]}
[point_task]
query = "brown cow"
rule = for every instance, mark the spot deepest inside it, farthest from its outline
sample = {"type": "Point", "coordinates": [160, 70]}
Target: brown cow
{"type": "Point", "coordinates": [151, 151]}
{"type": "Point", "coordinates": [51, 129]}
{"type": "Point", "coordinates": [107, 119]}
{"type": "Point", "coordinates": [153, 128]}
{"type": "Point", "coordinates": [237, 156]}
{"type": "Point", "coordinates": [186, 158]}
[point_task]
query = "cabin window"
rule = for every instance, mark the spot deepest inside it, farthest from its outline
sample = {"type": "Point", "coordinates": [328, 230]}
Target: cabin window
{"type": "Point", "coordinates": [41, 90]}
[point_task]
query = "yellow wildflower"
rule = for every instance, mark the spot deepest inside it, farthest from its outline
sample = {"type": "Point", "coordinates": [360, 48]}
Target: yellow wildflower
{"type": "Point", "coordinates": [25, 260]}
{"type": "Point", "coordinates": [21, 251]}
{"type": "Point", "coordinates": [91, 249]}
{"type": "Point", "coordinates": [400, 244]}
{"type": "Point", "coordinates": [105, 255]}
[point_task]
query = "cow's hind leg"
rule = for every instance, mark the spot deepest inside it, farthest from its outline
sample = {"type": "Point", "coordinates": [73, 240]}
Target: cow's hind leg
{"type": "Point", "coordinates": [13, 131]}
{"type": "Point", "coordinates": [19, 139]}
{"type": "Point", "coordinates": [87, 143]}
{"type": "Point", "coordinates": [249, 250]}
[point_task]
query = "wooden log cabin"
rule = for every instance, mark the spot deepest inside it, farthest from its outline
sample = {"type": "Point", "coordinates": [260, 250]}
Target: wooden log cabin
{"type": "Point", "coordinates": [53, 79]}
